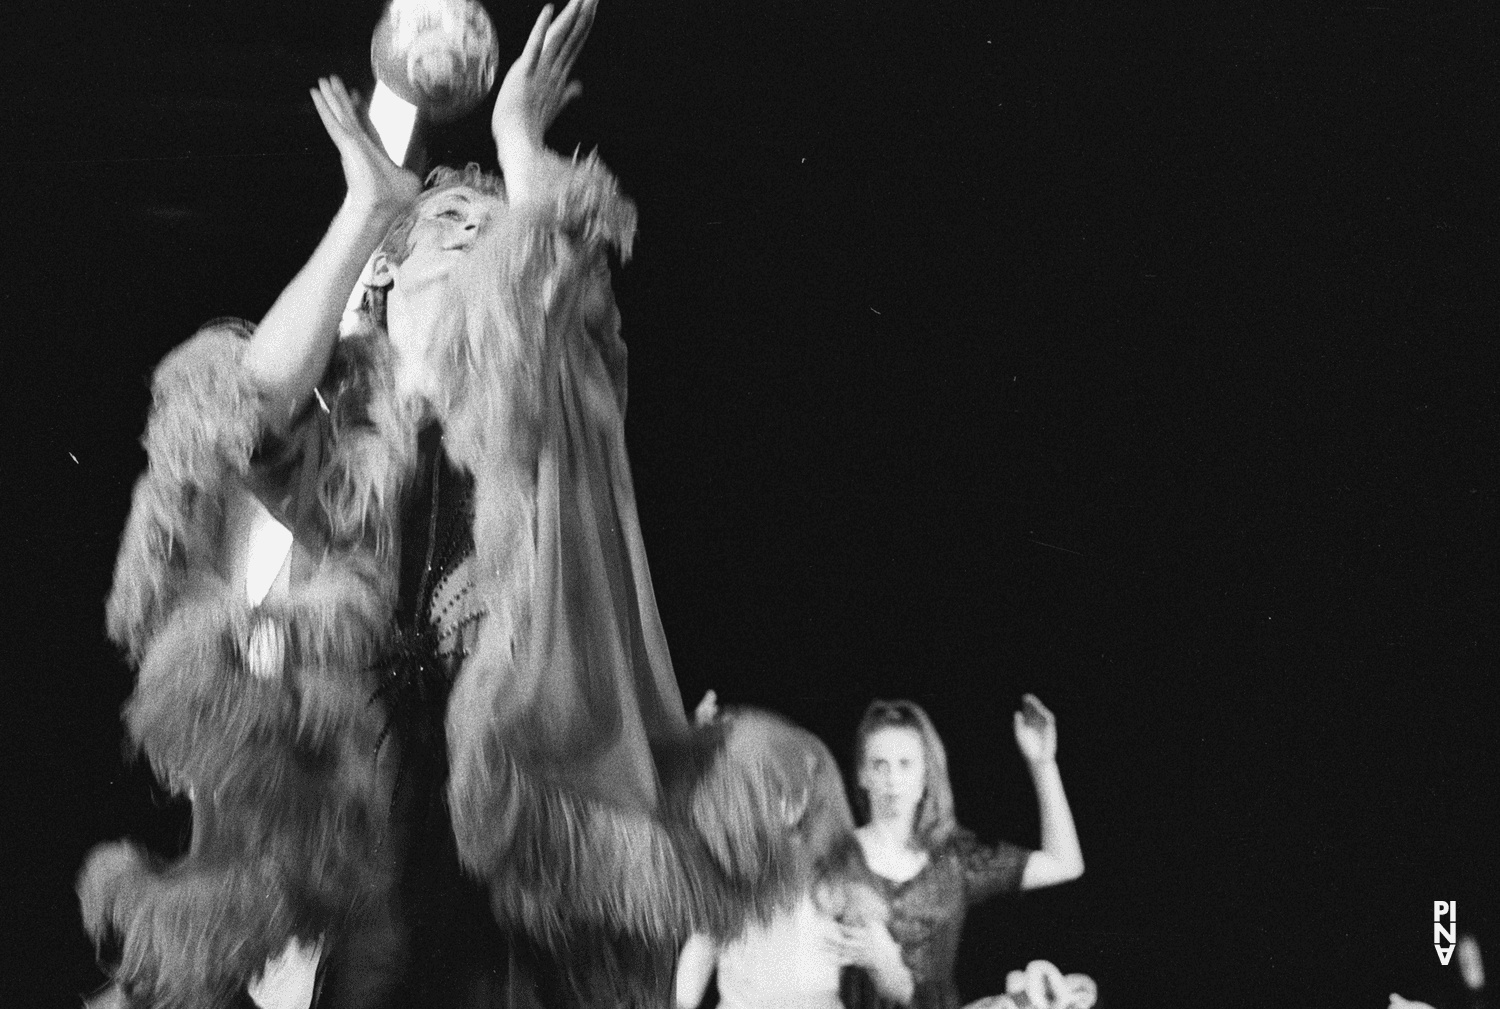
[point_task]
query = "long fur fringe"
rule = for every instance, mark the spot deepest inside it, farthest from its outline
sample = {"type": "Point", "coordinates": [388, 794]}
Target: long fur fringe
{"type": "Point", "coordinates": [205, 417]}
{"type": "Point", "coordinates": [291, 764]}
{"type": "Point", "coordinates": [193, 935]}
{"type": "Point", "coordinates": [752, 809]}
{"type": "Point", "coordinates": [206, 423]}
{"type": "Point", "coordinates": [292, 783]}
{"type": "Point", "coordinates": [195, 691]}
{"type": "Point", "coordinates": [584, 204]}
{"type": "Point", "coordinates": [723, 840]}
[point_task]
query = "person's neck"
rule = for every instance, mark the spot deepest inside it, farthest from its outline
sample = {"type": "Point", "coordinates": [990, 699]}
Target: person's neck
{"type": "Point", "coordinates": [891, 834]}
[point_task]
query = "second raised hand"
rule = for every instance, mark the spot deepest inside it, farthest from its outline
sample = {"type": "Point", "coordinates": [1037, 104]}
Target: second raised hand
{"type": "Point", "coordinates": [537, 87]}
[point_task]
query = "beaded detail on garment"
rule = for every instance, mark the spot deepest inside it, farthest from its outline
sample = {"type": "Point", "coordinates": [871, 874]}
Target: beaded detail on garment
{"type": "Point", "coordinates": [436, 616]}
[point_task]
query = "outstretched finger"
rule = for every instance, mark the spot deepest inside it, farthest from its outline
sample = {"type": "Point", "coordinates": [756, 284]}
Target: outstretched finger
{"type": "Point", "coordinates": [337, 101]}
{"type": "Point", "coordinates": [533, 49]}
{"type": "Point", "coordinates": [573, 44]}
{"type": "Point", "coordinates": [558, 31]}
{"type": "Point", "coordinates": [572, 91]}
{"type": "Point", "coordinates": [707, 709]}
{"type": "Point", "coordinates": [330, 123]}
{"type": "Point", "coordinates": [352, 105]}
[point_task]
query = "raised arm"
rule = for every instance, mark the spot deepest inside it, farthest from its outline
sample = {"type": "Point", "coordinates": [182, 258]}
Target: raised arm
{"type": "Point", "coordinates": [534, 91]}
{"type": "Point", "coordinates": [293, 342]}
{"type": "Point", "coordinates": [1060, 858]}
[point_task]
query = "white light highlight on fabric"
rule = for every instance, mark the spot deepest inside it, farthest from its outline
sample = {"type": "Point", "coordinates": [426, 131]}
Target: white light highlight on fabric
{"type": "Point", "coordinates": [393, 119]}
{"type": "Point", "coordinates": [270, 542]}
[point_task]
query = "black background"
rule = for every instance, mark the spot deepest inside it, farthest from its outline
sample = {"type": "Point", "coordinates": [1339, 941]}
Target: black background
{"type": "Point", "coordinates": [1142, 359]}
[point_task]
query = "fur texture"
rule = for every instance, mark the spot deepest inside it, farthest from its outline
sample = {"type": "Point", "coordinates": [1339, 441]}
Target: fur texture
{"type": "Point", "coordinates": [205, 420]}
{"type": "Point", "coordinates": [195, 702]}
{"type": "Point", "coordinates": [290, 784]}
{"type": "Point", "coordinates": [753, 810]}
{"type": "Point", "coordinates": [291, 788]}
{"type": "Point", "coordinates": [716, 830]}
{"type": "Point", "coordinates": [205, 425]}
{"type": "Point", "coordinates": [192, 933]}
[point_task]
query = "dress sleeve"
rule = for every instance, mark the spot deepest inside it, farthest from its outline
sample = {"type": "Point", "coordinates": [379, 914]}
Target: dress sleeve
{"type": "Point", "coordinates": [989, 870]}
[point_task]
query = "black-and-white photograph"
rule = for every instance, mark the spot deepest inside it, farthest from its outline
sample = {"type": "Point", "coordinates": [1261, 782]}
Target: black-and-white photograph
{"type": "Point", "coordinates": [618, 505]}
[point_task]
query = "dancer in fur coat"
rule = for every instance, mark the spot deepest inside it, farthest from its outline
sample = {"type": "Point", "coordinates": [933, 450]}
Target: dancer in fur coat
{"type": "Point", "coordinates": [439, 751]}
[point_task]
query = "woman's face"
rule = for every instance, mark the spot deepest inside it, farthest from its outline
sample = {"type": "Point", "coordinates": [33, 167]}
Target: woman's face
{"type": "Point", "coordinates": [893, 772]}
{"type": "Point", "coordinates": [447, 226]}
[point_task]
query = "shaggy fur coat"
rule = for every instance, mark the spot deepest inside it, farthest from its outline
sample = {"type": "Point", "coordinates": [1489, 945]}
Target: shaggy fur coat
{"type": "Point", "coordinates": [577, 791]}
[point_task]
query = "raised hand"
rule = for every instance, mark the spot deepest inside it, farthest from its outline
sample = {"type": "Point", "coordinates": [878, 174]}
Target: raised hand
{"type": "Point", "coordinates": [1397, 1002]}
{"type": "Point", "coordinates": [707, 709]}
{"type": "Point", "coordinates": [1036, 731]}
{"type": "Point", "coordinates": [870, 945]}
{"type": "Point", "coordinates": [537, 87]}
{"type": "Point", "coordinates": [289, 979]}
{"type": "Point", "coordinates": [375, 182]}
{"type": "Point", "coordinates": [864, 944]}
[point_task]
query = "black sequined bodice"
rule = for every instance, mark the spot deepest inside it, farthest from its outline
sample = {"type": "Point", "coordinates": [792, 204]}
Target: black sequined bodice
{"type": "Point", "coordinates": [436, 539]}
{"type": "Point", "coordinates": [437, 533]}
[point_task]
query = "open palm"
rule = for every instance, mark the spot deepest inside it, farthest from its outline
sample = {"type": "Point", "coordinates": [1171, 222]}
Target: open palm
{"type": "Point", "coordinates": [538, 85]}
{"type": "Point", "coordinates": [374, 180]}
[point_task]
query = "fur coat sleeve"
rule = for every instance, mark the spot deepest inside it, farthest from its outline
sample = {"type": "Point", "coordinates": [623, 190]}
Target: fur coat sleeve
{"type": "Point", "coordinates": [260, 713]}
{"type": "Point", "coordinates": [577, 789]}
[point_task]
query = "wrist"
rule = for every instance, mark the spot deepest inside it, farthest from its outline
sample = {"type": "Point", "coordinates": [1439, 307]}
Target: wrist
{"type": "Point", "coordinates": [373, 211]}
{"type": "Point", "coordinates": [516, 144]}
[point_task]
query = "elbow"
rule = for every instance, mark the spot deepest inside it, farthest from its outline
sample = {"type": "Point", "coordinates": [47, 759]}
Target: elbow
{"type": "Point", "coordinates": [1074, 868]}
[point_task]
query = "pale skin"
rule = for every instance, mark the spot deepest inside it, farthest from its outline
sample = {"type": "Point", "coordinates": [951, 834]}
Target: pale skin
{"type": "Point", "coordinates": [293, 343]}
{"type": "Point", "coordinates": [868, 945]}
{"type": "Point", "coordinates": [893, 774]}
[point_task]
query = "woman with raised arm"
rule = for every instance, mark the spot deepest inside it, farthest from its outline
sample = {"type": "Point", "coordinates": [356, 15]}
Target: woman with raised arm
{"type": "Point", "coordinates": [929, 869]}
{"type": "Point", "coordinates": [436, 738]}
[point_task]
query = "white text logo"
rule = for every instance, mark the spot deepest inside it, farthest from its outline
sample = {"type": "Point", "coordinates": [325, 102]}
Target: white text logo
{"type": "Point", "coordinates": [1441, 933]}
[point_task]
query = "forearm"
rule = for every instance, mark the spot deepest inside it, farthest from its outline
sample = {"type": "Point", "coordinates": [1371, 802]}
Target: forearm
{"type": "Point", "coordinates": [1059, 834]}
{"type": "Point", "coordinates": [292, 345]}
{"type": "Point", "coordinates": [524, 161]}
{"type": "Point", "coordinates": [892, 977]}
{"type": "Point", "coordinates": [695, 967]}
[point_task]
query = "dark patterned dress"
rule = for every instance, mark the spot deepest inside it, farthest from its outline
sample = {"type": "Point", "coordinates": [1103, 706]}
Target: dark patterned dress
{"type": "Point", "coordinates": [927, 916]}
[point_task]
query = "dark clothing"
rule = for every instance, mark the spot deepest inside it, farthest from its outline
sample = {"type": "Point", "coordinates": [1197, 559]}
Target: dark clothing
{"type": "Point", "coordinates": [927, 916]}
{"type": "Point", "coordinates": [372, 782]}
